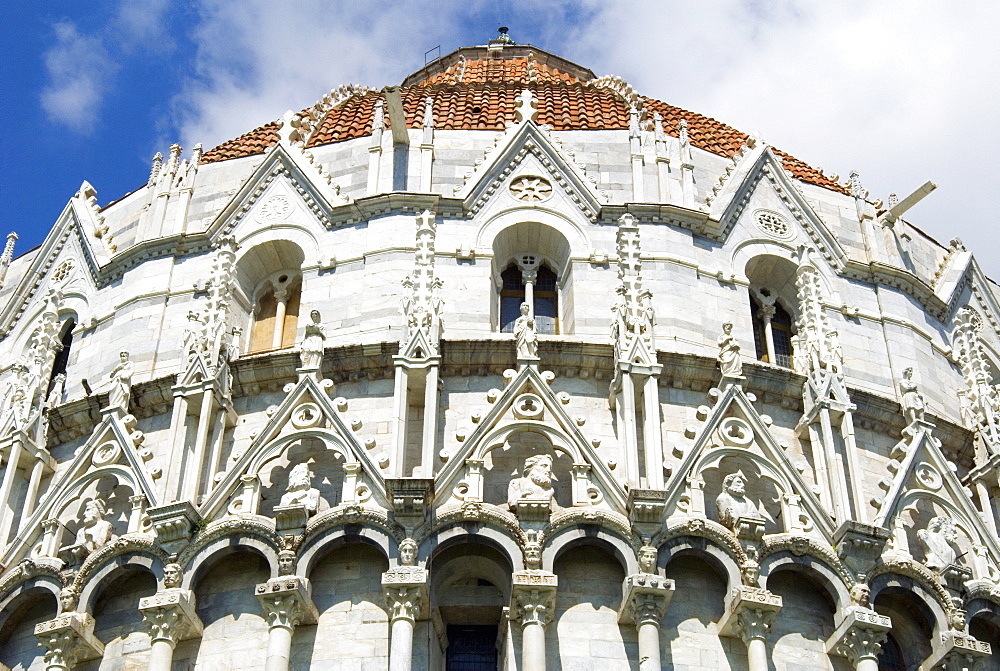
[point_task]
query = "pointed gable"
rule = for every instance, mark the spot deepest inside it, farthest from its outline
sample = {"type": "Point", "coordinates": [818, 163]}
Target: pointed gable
{"type": "Point", "coordinates": [734, 430]}
{"type": "Point", "coordinates": [528, 404]}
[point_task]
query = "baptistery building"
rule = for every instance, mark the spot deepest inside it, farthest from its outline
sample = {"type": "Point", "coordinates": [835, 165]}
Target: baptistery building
{"type": "Point", "coordinates": [505, 367]}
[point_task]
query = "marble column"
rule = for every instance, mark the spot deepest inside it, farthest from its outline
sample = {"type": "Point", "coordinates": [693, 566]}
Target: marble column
{"type": "Point", "coordinates": [68, 640]}
{"type": "Point", "coordinates": [859, 637]}
{"type": "Point", "coordinates": [287, 602]}
{"type": "Point", "coordinates": [533, 602]}
{"type": "Point", "coordinates": [405, 589]}
{"type": "Point", "coordinates": [749, 613]}
{"type": "Point", "coordinates": [645, 598]}
{"type": "Point", "coordinates": [170, 616]}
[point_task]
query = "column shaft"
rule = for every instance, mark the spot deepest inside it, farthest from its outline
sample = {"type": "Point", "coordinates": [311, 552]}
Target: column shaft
{"type": "Point", "coordinates": [756, 654]}
{"type": "Point", "coordinates": [629, 430]}
{"type": "Point", "coordinates": [279, 648]}
{"type": "Point", "coordinates": [279, 319]}
{"type": "Point", "coordinates": [430, 422]}
{"type": "Point", "coordinates": [401, 645]}
{"type": "Point", "coordinates": [772, 356]}
{"type": "Point", "coordinates": [867, 664]}
{"type": "Point", "coordinates": [533, 645]}
{"type": "Point", "coordinates": [33, 483]}
{"type": "Point", "coordinates": [649, 646]}
{"type": "Point", "coordinates": [161, 654]}
{"type": "Point", "coordinates": [651, 433]}
{"type": "Point", "coordinates": [7, 507]}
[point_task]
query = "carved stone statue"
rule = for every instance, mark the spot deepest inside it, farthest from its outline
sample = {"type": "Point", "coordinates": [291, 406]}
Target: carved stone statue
{"type": "Point", "coordinates": [286, 562]}
{"type": "Point", "coordinates": [408, 552]}
{"type": "Point", "coordinates": [732, 503]}
{"type": "Point", "coordinates": [95, 530]}
{"type": "Point", "coordinates": [861, 595]}
{"type": "Point", "coordinates": [729, 352]}
{"type": "Point", "coordinates": [195, 337]}
{"type": "Point", "coordinates": [750, 573]}
{"type": "Point", "coordinates": [939, 539]}
{"type": "Point", "coordinates": [525, 335]}
{"type": "Point", "coordinates": [535, 484]}
{"type": "Point", "coordinates": [313, 342]}
{"type": "Point", "coordinates": [172, 574]}
{"type": "Point", "coordinates": [300, 490]}
{"type": "Point", "coordinates": [68, 599]}
{"type": "Point", "coordinates": [647, 559]}
{"type": "Point", "coordinates": [18, 392]}
{"type": "Point", "coordinates": [121, 384]}
{"type": "Point", "coordinates": [913, 401]}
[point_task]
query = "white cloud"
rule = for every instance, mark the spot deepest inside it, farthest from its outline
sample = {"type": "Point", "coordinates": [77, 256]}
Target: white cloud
{"type": "Point", "coordinates": [901, 90]}
{"type": "Point", "coordinates": [79, 69]}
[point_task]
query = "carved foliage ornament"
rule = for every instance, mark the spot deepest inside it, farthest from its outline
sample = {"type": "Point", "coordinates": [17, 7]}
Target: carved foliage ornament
{"type": "Point", "coordinates": [773, 224]}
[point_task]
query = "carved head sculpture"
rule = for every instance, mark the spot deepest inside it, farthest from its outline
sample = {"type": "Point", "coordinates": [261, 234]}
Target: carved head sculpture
{"type": "Point", "coordinates": [647, 559]}
{"type": "Point", "coordinates": [539, 470]}
{"type": "Point", "coordinates": [314, 315]}
{"type": "Point", "coordinates": [727, 328]}
{"type": "Point", "coordinates": [735, 484]}
{"type": "Point", "coordinates": [172, 575]}
{"type": "Point", "coordinates": [861, 595]}
{"type": "Point", "coordinates": [300, 477]}
{"type": "Point", "coordinates": [945, 526]}
{"type": "Point", "coordinates": [67, 599]}
{"type": "Point", "coordinates": [408, 552]}
{"type": "Point", "coordinates": [908, 373]}
{"type": "Point", "coordinates": [93, 512]}
{"type": "Point", "coordinates": [957, 620]}
{"type": "Point", "coordinates": [750, 573]}
{"type": "Point", "coordinates": [123, 356]}
{"type": "Point", "coordinates": [286, 562]}
{"type": "Point", "coordinates": [525, 309]}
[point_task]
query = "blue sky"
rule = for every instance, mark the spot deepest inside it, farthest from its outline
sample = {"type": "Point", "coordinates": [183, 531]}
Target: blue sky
{"type": "Point", "coordinates": [901, 90]}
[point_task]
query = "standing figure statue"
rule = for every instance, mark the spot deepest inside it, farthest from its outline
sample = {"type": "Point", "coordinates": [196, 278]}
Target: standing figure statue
{"type": "Point", "coordinates": [729, 353]}
{"type": "Point", "coordinates": [313, 343]}
{"type": "Point", "coordinates": [939, 539]}
{"type": "Point", "coordinates": [121, 384]}
{"type": "Point", "coordinates": [525, 336]}
{"type": "Point", "coordinates": [300, 491]}
{"type": "Point", "coordinates": [913, 401]}
{"type": "Point", "coordinates": [732, 503]}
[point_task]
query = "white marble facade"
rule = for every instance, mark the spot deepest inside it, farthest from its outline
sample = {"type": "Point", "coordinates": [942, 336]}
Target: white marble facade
{"type": "Point", "coordinates": [307, 417]}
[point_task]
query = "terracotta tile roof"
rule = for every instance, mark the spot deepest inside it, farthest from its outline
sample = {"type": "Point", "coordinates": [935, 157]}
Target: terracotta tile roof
{"type": "Point", "coordinates": [256, 141]}
{"type": "Point", "coordinates": [486, 100]}
{"type": "Point", "coordinates": [478, 71]}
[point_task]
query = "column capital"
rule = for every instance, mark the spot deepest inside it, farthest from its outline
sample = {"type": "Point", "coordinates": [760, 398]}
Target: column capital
{"type": "Point", "coordinates": [957, 651]}
{"type": "Point", "coordinates": [645, 598]}
{"type": "Point", "coordinates": [533, 597]}
{"type": "Point", "coordinates": [749, 613]}
{"type": "Point", "coordinates": [287, 601]}
{"type": "Point", "coordinates": [68, 640]}
{"type": "Point", "coordinates": [859, 635]}
{"type": "Point", "coordinates": [170, 615]}
{"type": "Point", "coordinates": [405, 590]}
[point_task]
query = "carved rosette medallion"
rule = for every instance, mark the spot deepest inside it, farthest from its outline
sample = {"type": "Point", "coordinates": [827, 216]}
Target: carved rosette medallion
{"type": "Point", "coordinates": [275, 208]}
{"type": "Point", "coordinates": [531, 189]}
{"type": "Point", "coordinates": [773, 224]}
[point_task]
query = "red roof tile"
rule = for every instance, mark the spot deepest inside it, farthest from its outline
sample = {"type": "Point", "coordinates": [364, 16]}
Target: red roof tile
{"type": "Point", "coordinates": [486, 100]}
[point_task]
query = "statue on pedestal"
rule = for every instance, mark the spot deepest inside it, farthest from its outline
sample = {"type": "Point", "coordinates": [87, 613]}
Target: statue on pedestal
{"type": "Point", "coordinates": [535, 483]}
{"type": "Point", "coordinates": [729, 353]}
{"type": "Point", "coordinates": [95, 531]}
{"type": "Point", "coordinates": [121, 384]}
{"type": "Point", "coordinates": [300, 491]}
{"type": "Point", "coordinates": [913, 401]}
{"type": "Point", "coordinates": [525, 335]}
{"type": "Point", "coordinates": [939, 539]}
{"type": "Point", "coordinates": [732, 503]}
{"type": "Point", "coordinates": [313, 342]}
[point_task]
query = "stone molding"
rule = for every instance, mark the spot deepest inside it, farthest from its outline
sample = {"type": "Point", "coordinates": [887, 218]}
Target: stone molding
{"type": "Point", "coordinates": [533, 597]}
{"type": "Point", "coordinates": [957, 651]}
{"type": "Point", "coordinates": [68, 640]}
{"type": "Point", "coordinates": [170, 615]}
{"type": "Point", "coordinates": [749, 613]}
{"type": "Point", "coordinates": [287, 602]}
{"type": "Point", "coordinates": [645, 598]}
{"type": "Point", "coordinates": [405, 590]}
{"type": "Point", "coordinates": [859, 635]}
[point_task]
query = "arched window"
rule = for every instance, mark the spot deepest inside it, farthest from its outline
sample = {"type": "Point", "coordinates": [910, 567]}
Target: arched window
{"type": "Point", "coordinates": [772, 332]}
{"type": "Point", "coordinates": [61, 360]}
{"type": "Point", "coordinates": [276, 312]}
{"type": "Point", "coordinates": [541, 284]}
{"type": "Point", "coordinates": [891, 657]}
